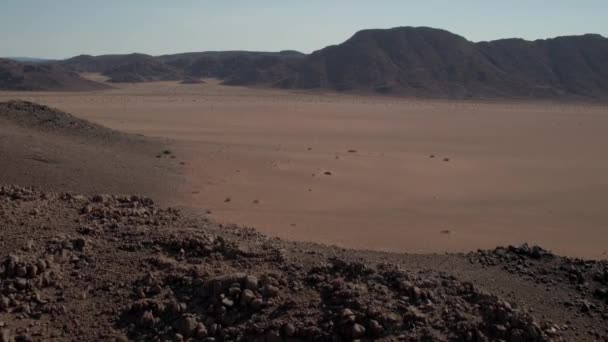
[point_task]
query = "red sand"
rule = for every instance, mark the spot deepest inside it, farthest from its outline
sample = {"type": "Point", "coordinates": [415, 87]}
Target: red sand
{"type": "Point", "coordinates": [517, 172]}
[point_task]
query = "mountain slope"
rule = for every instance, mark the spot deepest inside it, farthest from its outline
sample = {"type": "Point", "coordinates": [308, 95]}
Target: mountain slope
{"type": "Point", "coordinates": [101, 64]}
{"type": "Point", "coordinates": [576, 65]}
{"type": "Point", "coordinates": [18, 76]}
{"type": "Point", "coordinates": [45, 147]}
{"type": "Point", "coordinates": [405, 60]}
{"type": "Point", "coordinates": [147, 70]}
{"type": "Point", "coordinates": [408, 61]}
{"type": "Point", "coordinates": [239, 65]}
{"type": "Point", "coordinates": [431, 62]}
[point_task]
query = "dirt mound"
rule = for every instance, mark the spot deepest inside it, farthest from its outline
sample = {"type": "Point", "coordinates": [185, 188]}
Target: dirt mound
{"type": "Point", "coordinates": [39, 117]}
{"type": "Point", "coordinates": [588, 278]}
{"type": "Point", "coordinates": [48, 76]}
{"type": "Point", "coordinates": [110, 267]}
{"type": "Point", "coordinates": [54, 150]}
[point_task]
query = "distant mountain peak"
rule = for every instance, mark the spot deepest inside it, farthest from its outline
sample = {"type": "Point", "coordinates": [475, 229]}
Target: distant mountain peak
{"type": "Point", "coordinates": [406, 61]}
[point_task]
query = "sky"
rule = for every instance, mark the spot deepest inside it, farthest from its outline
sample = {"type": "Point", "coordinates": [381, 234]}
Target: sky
{"type": "Point", "coordinates": [65, 28]}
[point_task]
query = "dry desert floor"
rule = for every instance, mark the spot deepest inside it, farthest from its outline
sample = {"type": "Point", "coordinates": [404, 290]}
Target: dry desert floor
{"type": "Point", "coordinates": [375, 172]}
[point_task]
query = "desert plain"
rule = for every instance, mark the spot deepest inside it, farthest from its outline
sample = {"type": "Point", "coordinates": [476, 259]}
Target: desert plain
{"type": "Point", "coordinates": [379, 173]}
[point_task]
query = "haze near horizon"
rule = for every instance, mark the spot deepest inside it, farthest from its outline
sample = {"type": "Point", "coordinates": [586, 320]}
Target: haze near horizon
{"type": "Point", "coordinates": [155, 27]}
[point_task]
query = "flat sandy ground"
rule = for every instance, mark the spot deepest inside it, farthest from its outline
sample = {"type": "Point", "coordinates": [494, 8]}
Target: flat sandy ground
{"type": "Point", "coordinates": [517, 172]}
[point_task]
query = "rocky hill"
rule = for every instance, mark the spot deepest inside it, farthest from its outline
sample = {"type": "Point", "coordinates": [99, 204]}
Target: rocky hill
{"type": "Point", "coordinates": [430, 62]}
{"type": "Point", "coordinates": [43, 146]}
{"type": "Point", "coordinates": [148, 70]}
{"type": "Point", "coordinates": [117, 268]}
{"type": "Point", "coordinates": [47, 76]}
{"type": "Point", "coordinates": [246, 66]}
{"type": "Point", "coordinates": [132, 68]}
{"type": "Point", "coordinates": [46, 119]}
{"type": "Point", "coordinates": [102, 64]}
{"type": "Point", "coordinates": [406, 61]}
{"type": "Point", "coordinates": [574, 65]}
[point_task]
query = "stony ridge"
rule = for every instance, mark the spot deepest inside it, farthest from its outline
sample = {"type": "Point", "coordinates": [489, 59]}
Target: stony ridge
{"type": "Point", "coordinates": [110, 267]}
{"type": "Point", "coordinates": [46, 119]}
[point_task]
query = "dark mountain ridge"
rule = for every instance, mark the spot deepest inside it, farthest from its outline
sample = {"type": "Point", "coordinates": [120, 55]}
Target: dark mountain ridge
{"type": "Point", "coordinates": [134, 68]}
{"type": "Point", "coordinates": [430, 62]}
{"type": "Point", "coordinates": [46, 76]}
{"type": "Point", "coordinates": [406, 61]}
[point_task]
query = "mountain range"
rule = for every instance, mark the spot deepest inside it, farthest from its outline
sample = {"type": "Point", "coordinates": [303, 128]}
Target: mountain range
{"type": "Point", "coordinates": [406, 61]}
{"type": "Point", "coordinates": [43, 76]}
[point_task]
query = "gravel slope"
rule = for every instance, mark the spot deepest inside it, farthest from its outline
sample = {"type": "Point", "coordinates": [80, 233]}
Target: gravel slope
{"type": "Point", "coordinates": [104, 267]}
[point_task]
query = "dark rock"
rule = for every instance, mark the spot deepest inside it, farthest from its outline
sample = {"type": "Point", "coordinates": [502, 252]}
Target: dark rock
{"type": "Point", "coordinates": [147, 320]}
{"type": "Point", "coordinates": [251, 283]}
{"type": "Point", "coordinates": [270, 291]}
{"type": "Point", "coordinates": [289, 330]}
{"type": "Point", "coordinates": [356, 331]}
{"type": "Point", "coordinates": [186, 325]}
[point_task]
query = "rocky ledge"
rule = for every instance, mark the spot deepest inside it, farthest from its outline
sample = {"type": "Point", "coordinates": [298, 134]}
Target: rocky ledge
{"type": "Point", "coordinates": [106, 267]}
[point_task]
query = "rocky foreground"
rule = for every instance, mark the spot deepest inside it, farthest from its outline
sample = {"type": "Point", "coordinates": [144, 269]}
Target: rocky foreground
{"type": "Point", "coordinates": [116, 268]}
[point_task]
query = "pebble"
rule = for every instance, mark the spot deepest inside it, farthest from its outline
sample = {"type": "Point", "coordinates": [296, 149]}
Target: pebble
{"type": "Point", "coordinates": [256, 304]}
{"type": "Point", "coordinates": [247, 297]}
{"type": "Point", "coordinates": [289, 329]}
{"type": "Point", "coordinates": [6, 336]}
{"type": "Point", "coordinates": [375, 328]}
{"type": "Point", "coordinates": [271, 291]}
{"type": "Point", "coordinates": [21, 271]}
{"type": "Point", "coordinates": [227, 302]}
{"type": "Point", "coordinates": [251, 282]}
{"type": "Point", "coordinates": [186, 326]}
{"type": "Point", "coordinates": [201, 331]}
{"type": "Point", "coordinates": [147, 319]}
{"type": "Point", "coordinates": [348, 315]}
{"type": "Point", "coordinates": [357, 331]}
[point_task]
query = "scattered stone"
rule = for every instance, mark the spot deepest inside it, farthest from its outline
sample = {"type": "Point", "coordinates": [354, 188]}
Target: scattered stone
{"type": "Point", "coordinates": [187, 326]}
{"type": "Point", "coordinates": [375, 328]}
{"type": "Point", "coordinates": [270, 291]}
{"type": "Point", "coordinates": [195, 280]}
{"type": "Point", "coordinates": [357, 331]}
{"type": "Point", "coordinates": [6, 336]}
{"type": "Point", "coordinates": [289, 330]}
{"type": "Point", "coordinates": [147, 320]}
{"type": "Point", "coordinates": [251, 282]}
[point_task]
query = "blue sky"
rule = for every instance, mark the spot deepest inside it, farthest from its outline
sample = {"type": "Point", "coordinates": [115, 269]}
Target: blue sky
{"type": "Point", "coordinates": [64, 28]}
